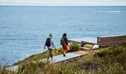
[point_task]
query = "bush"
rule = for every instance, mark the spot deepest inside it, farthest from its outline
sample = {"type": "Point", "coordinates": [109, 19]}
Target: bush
{"type": "Point", "coordinates": [47, 68]}
{"type": "Point", "coordinates": [123, 44]}
{"type": "Point", "coordinates": [74, 47]}
{"type": "Point", "coordinates": [103, 53]}
{"type": "Point", "coordinates": [116, 49]}
{"type": "Point", "coordinates": [115, 68]}
{"type": "Point", "coordinates": [112, 50]}
{"type": "Point", "coordinates": [121, 58]}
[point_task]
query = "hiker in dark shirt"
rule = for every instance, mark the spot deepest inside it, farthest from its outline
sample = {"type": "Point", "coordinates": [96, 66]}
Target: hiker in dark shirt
{"type": "Point", "coordinates": [50, 45]}
{"type": "Point", "coordinates": [64, 43]}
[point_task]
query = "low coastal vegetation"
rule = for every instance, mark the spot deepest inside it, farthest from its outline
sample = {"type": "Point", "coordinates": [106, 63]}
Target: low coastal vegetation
{"type": "Point", "coordinates": [74, 47]}
{"type": "Point", "coordinates": [109, 60]}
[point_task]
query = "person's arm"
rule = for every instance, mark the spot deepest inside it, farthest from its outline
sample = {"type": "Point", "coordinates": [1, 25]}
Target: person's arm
{"type": "Point", "coordinates": [53, 45]}
{"type": "Point", "coordinates": [45, 46]}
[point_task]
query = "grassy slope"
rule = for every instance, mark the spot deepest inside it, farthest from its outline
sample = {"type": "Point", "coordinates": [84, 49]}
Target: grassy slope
{"type": "Point", "coordinates": [37, 57]}
{"type": "Point", "coordinates": [110, 61]}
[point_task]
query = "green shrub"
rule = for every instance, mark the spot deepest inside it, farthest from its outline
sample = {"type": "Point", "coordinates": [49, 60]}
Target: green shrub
{"type": "Point", "coordinates": [114, 68]}
{"type": "Point", "coordinates": [123, 44]}
{"type": "Point", "coordinates": [121, 58]}
{"type": "Point", "coordinates": [116, 49]}
{"type": "Point", "coordinates": [103, 53]}
{"type": "Point", "coordinates": [112, 50]}
{"type": "Point", "coordinates": [74, 47]}
{"type": "Point", "coordinates": [47, 68]}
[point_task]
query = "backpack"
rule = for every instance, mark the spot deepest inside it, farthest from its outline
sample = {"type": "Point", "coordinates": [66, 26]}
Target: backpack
{"type": "Point", "coordinates": [62, 41]}
{"type": "Point", "coordinates": [48, 44]}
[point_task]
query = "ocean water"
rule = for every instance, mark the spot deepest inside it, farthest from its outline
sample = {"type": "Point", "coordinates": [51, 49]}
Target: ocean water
{"type": "Point", "coordinates": [23, 30]}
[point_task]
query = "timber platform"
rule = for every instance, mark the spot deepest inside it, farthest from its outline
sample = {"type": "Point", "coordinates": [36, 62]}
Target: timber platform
{"type": "Point", "coordinates": [102, 41]}
{"type": "Point", "coordinates": [84, 40]}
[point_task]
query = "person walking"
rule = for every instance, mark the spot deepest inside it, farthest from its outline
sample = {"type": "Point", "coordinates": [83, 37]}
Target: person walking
{"type": "Point", "coordinates": [64, 43]}
{"type": "Point", "coordinates": [50, 45]}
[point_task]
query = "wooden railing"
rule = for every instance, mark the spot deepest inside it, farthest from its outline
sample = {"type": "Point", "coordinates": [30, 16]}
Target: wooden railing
{"type": "Point", "coordinates": [110, 40]}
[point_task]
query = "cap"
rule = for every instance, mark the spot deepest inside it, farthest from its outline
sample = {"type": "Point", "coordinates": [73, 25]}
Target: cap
{"type": "Point", "coordinates": [50, 35]}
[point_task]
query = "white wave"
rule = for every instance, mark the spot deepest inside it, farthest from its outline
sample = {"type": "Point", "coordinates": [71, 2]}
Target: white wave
{"type": "Point", "coordinates": [117, 11]}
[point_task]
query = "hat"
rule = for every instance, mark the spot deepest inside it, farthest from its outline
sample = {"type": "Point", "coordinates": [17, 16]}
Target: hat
{"type": "Point", "coordinates": [50, 35]}
{"type": "Point", "coordinates": [64, 34]}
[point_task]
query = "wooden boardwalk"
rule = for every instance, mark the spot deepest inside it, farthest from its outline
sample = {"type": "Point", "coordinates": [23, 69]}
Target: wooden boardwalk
{"type": "Point", "coordinates": [60, 58]}
{"type": "Point", "coordinates": [56, 59]}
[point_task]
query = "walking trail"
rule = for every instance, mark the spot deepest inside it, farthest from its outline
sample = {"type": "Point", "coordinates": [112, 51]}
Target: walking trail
{"type": "Point", "coordinates": [58, 58]}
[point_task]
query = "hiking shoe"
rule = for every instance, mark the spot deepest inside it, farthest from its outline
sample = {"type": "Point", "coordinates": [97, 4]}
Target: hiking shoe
{"type": "Point", "coordinates": [64, 55]}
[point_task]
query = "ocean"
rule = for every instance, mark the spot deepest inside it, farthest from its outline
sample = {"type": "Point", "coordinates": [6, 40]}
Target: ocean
{"type": "Point", "coordinates": [24, 29]}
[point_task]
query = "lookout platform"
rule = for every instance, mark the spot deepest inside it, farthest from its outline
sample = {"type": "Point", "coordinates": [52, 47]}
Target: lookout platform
{"type": "Point", "coordinates": [84, 40]}
{"type": "Point", "coordinates": [102, 41]}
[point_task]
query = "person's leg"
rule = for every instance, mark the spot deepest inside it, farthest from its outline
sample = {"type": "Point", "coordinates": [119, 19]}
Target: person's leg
{"type": "Point", "coordinates": [50, 53]}
{"type": "Point", "coordinates": [63, 47]}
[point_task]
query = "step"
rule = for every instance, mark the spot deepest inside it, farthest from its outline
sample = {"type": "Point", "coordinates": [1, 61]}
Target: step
{"type": "Point", "coordinates": [85, 48]}
{"type": "Point", "coordinates": [88, 46]}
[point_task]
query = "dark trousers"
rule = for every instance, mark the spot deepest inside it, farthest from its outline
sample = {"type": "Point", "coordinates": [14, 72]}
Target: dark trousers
{"type": "Point", "coordinates": [49, 53]}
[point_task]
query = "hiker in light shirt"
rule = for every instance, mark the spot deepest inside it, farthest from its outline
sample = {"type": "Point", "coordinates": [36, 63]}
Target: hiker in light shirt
{"type": "Point", "coordinates": [50, 45]}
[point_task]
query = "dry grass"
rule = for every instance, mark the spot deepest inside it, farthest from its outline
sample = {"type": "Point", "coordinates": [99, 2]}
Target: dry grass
{"type": "Point", "coordinates": [110, 61]}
